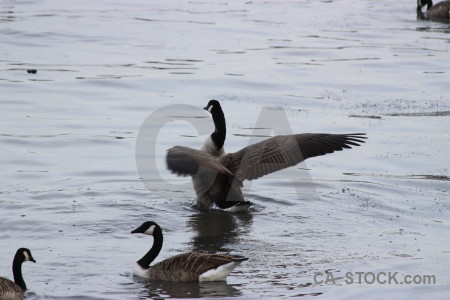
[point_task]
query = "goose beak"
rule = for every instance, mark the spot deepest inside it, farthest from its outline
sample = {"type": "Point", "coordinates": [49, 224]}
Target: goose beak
{"type": "Point", "coordinates": [135, 231]}
{"type": "Point", "coordinates": [32, 259]}
{"type": "Point", "coordinates": [205, 108]}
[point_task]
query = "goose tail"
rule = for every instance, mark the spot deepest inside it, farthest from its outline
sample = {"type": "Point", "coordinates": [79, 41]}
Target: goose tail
{"type": "Point", "coordinates": [221, 272]}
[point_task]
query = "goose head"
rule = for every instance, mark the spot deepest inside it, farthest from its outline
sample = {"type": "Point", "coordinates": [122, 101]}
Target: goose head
{"type": "Point", "coordinates": [149, 228]}
{"type": "Point", "coordinates": [24, 254]}
{"type": "Point", "coordinates": [214, 105]}
{"type": "Point", "coordinates": [422, 3]}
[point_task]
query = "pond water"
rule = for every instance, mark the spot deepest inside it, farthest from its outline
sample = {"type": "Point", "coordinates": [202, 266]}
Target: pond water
{"type": "Point", "coordinates": [71, 189]}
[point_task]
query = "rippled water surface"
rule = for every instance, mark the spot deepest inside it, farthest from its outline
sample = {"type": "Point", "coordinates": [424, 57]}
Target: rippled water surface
{"type": "Point", "coordinates": [70, 187]}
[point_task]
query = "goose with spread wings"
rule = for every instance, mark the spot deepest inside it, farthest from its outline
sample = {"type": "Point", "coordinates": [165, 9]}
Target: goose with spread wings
{"type": "Point", "coordinates": [218, 176]}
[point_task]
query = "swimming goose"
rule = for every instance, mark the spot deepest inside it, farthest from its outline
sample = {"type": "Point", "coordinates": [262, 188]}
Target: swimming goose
{"type": "Point", "coordinates": [439, 11]}
{"type": "Point", "coordinates": [14, 290]}
{"type": "Point", "coordinates": [217, 176]}
{"type": "Point", "coordinates": [191, 266]}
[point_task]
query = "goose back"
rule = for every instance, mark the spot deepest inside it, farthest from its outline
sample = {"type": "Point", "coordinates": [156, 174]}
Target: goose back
{"type": "Point", "coordinates": [10, 290]}
{"type": "Point", "coordinates": [187, 266]}
{"type": "Point", "coordinates": [440, 10]}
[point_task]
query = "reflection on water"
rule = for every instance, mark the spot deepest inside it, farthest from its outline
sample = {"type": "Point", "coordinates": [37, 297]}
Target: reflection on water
{"type": "Point", "coordinates": [218, 231]}
{"type": "Point", "coordinates": [155, 289]}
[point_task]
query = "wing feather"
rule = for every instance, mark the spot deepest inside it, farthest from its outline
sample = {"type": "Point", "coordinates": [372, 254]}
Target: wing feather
{"type": "Point", "coordinates": [188, 266]}
{"type": "Point", "coordinates": [9, 289]}
{"type": "Point", "coordinates": [284, 151]}
{"type": "Point", "coordinates": [185, 161]}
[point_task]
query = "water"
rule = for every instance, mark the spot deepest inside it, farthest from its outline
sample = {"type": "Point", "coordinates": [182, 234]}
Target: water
{"type": "Point", "coordinates": [71, 191]}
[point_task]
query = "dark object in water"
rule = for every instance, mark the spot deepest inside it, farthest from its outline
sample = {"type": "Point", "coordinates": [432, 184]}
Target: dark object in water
{"type": "Point", "coordinates": [439, 11]}
{"type": "Point", "coordinates": [31, 71]}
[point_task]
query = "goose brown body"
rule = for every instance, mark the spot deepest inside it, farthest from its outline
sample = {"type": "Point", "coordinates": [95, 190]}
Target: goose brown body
{"type": "Point", "coordinates": [438, 11]}
{"type": "Point", "coordinates": [9, 290]}
{"type": "Point", "coordinates": [190, 266]}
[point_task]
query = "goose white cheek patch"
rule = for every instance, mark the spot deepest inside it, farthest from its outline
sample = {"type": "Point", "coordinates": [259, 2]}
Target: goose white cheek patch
{"type": "Point", "coordinates": [27, 258]}
{"type": "Point", "coordinates": [210, 108]}
{"type": "Point", "coordinates": [149, 231]}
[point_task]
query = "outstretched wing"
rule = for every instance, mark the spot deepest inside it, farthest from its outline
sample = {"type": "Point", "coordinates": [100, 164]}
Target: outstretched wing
{"type": "Point", "coordinates": [185, 161]}
{"type": "Point", "coordinates": [284, 151]}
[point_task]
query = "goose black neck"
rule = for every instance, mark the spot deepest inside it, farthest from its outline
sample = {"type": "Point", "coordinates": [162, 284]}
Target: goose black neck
{"type": "Point", "coordinates": [17, 272]}
{"type": "Point", "coordinates": [419, 6]}
{"type": "Point", "coordinates": [147, 259]}
{"type": "Point", "coordinates": [220, 133]}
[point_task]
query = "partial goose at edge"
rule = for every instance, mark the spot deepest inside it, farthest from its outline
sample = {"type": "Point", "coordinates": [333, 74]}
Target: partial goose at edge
{"type": "Point", "coordinates": [438, 12]}
{"type": "Point", "coordinates": [10, 290]}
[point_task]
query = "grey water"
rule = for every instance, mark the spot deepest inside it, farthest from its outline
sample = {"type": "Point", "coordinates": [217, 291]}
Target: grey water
{"type": "Point", "coordinates": [71, 189]}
